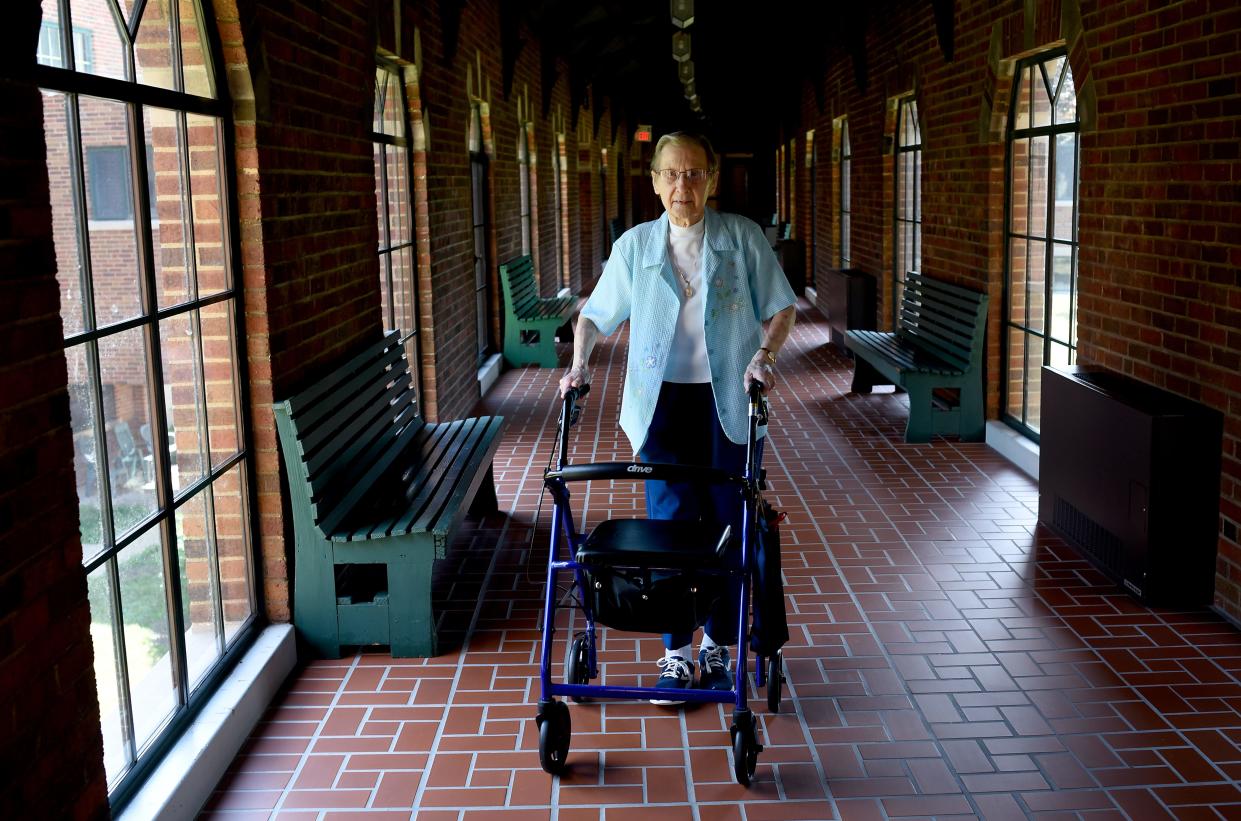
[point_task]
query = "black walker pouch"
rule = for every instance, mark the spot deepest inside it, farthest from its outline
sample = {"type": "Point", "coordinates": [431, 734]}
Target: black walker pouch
{"type": "Point", "coordinates": [653, 576]}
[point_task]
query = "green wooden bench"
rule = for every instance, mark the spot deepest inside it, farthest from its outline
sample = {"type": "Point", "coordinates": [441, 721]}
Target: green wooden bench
{"type": "Point", "coordinates": [938, 344]}
{"type": "Point", "coordinates": [375, 488]}
{"type": "Point", "coordinates": [530, 321]}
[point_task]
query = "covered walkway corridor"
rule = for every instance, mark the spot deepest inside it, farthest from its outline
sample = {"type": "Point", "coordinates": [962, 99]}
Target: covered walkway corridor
{"type": "Point", "coordinates": [207, 207]}
{"type": "Point", "coordinates": [948, 659]}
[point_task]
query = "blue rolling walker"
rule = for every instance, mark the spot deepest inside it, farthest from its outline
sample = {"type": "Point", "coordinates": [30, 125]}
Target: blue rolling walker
{"type": "Point", "coordinates": [652, 576]}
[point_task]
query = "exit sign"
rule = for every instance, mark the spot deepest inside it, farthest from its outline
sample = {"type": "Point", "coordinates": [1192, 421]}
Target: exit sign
{"type": "Point", "coordinates": [643, 134]}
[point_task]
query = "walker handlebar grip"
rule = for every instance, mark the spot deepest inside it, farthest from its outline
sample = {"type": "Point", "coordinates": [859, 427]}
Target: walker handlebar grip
{"type": "Point", "coordinates": [572, 412]}
{"type": "Point", "coordinates": [758, 402]}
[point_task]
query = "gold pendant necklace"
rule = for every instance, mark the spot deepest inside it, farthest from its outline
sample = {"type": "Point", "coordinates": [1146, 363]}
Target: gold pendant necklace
{"type": "Point", "coordinates": [689, 290]}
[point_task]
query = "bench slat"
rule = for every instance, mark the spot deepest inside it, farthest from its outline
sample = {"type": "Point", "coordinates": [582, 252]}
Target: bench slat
{"type": "Point", "coordinates": [376, 459]}
{"type": "Point", "coordinates": [917, 280]}
{"type": "Point", "coordinates": [943, 318]}
{"type": "Point", "coordinates": [358, 413]}
{"type": "Point", "coordinates": [373, 517]}
{"type": "Point", "coordinates": [907, 357]}
{"type": "Point", "coordinates": [428, 483]}
{"type": "Point", "coordinates": [449, 496]}
{"type": "Point", "coordinates": [385, 350]}
{"type": "Point", "coordinates": [939, 340]}
{"type": "Point", "coordinates": [349, 464]}
{"type": "Point", "coordinates": [372, 410]}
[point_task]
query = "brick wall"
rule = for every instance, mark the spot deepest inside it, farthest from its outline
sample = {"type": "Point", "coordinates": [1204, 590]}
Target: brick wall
{"type": "Point", "coordinates": [1161, 219]}
{"type": "Point", "coordinates": [51, 759]}
{"type": "Point", "coordinates": [1160, 246]}
{"type": "Point", "coordinates": [301, 75]}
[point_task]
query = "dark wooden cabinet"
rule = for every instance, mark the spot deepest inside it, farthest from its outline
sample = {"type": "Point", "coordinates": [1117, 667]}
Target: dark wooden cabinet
{"type": "Point", "coordinates": [850, 296]}
{"type": "Point", "coordinates": [791, 254]}
{"type": "Point", "coordinates": [1129, 474]}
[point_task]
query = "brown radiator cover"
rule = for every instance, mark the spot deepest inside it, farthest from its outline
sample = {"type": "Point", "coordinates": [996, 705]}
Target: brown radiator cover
{"type": "Point", "coordinates": [1129, 474]}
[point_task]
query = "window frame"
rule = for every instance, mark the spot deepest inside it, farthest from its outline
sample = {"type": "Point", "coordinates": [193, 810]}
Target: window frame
{"type": "Point", "coordinates": [480, 220]}
{"type": "Point", "coordinates": [525, 195]}
{"type": "Point", "coordinates": [560, 184]}
{"type": "Point", "coordinates": [410, 336]}
{"type": "Point", "coordinates": [846, 196]}
{"type": "Point", "coordinates": [604, 248]}
{"type": "Point", "coordinates": [92, 175]}
{"type": "Point", "coordinates": [790, 188]}
{"type": "Point", "coordinates": [51, 33]}
{"type": "Point", "coordinates": [903, 228]}
{"type": "Point", "coordinates": [811, 172]}
{"type": "Point", "coordinates": [72, 84]}
{"type": "Point", "coordinates": [780, 209]}
{"type": "Point", "coordinates": [1039, 61]}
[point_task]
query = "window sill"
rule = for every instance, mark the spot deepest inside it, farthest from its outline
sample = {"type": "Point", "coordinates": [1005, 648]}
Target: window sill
{"type": "Point", "coordinates": [488, 374]}
{"type": "Point", "coordinates": [1014, 447]}
{"type": "Point", "coordinates": [184, 780]}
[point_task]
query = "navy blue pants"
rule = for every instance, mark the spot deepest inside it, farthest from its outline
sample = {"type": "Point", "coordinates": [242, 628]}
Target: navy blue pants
{"type": "Point", "coordinates": [686, 430]}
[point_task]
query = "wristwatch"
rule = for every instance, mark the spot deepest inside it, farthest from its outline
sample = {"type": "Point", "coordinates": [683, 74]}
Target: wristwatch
{"type": "Point", "coordinates": [771, 355]}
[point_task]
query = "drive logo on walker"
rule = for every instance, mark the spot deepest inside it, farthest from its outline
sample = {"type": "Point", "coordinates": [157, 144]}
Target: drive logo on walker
{"type": "Point", "coordinates": [639, 469]}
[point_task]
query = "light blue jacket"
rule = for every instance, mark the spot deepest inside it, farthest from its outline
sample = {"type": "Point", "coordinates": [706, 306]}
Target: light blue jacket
{"type": "Point", "coordinates": [745, 287]}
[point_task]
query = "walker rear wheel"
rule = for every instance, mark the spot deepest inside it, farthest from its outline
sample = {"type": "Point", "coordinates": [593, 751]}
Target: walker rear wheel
{"type": "Point", "coordinates": [775, 681]}
{"type": "Point", "coordinates": [577, 664]}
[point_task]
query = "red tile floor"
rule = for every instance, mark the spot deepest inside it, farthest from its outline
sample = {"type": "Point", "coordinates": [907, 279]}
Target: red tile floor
{"type": "Point", "coordinates": [948, 659]}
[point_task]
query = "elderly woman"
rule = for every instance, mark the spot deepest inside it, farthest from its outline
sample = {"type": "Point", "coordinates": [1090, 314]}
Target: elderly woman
{"type": "Point", "coordinates": [696, 286]}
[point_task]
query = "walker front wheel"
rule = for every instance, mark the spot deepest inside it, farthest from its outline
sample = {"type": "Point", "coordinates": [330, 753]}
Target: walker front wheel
{"type": "Point", "coordinates": [745, 746]}
{"type": "Point", "coordinates": [555, 729]}
{"type": "Point", "coordinates": [745, 758]}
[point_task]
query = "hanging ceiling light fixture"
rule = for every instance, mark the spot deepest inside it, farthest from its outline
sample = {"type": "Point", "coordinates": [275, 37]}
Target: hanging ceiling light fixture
{"type": "Point", "coordinates": [683, 18]}
{"type": "Point", "coordinates": [680, 46]}
{"type": "Point", "coordinates": [682, 13]}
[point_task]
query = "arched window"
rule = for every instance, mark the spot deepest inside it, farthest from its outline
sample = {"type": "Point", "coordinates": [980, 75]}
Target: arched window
{"type": "Point", "coordinates": [1040, 310]}
{"type": "Point", "coordinates": [398, 275]}
{"type": "Point", "coordinates": [603, 203]}
{"type": "Point", "coordinates": [811, 168]}
{"type": "Point", "coordinates": [523, 180]}
{"type": "Point", "coordinates": [138, 160]}
{"type": "Point", "coordinates": [481, 221]}
{"type": "Point", "coordinates": [781, 211]}
{"type": "Point", "coordinates": [790, 188]}
{"type": "Point", "coordinates": [907, 211]}
{"type": "Point", "coordinates": [560, 185]}
{"type": "Point", "coordinates": [620, 162]}
{"type": "Point", "coordinates": [846, 216]}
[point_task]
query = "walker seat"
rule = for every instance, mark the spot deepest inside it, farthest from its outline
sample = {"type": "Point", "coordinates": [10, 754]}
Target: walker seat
{"type": "Point", "coordinates": [654, 543]}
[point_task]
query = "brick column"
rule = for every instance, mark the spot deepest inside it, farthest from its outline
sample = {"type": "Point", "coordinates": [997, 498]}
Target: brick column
{"type": "Point", "coordinates": [51, 759]}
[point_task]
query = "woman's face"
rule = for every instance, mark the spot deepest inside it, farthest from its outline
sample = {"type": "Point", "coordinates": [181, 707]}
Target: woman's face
{"type": "Point", "coordinates": [685, 200]}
